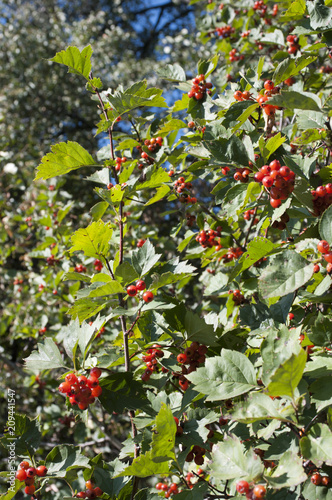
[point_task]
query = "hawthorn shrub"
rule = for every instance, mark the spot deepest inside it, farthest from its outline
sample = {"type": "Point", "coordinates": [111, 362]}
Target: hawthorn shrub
{"type": "Point", "coordinates": [197, 360]}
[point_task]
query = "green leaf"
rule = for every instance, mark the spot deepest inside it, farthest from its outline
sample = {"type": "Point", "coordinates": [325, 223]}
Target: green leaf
{"type": "Point", "coordinates": [155, 178]}
{"type": "Point", "coordinates": [136, 96]}
{"type": "Point", "coordinates": [321, 393]}
{"type": "Point", "coordinates": [228, 150]}
{"type": "Point", "coordinates": [287, 272]}
{"type": "Point", "coordinates": [63, 458]}
{"type": "Point", "coordinates": [26, 434]}
{"type": "Point", "coordinates": [320, 14]}
{"type": "Point", "coordinates": [125, 273]}
{"type": "Point", "coordinates": [98, 210]}
{"type": "Point", "coordinates": [225, 376]}
{"type": "Point", "coordinates": [325, 225]}
{"type": "Point", "coordinates": [276, 348]}
{"type": "Point", "coordinates": [291, 99]}
{"type": "Point", "coordinates": [288, 473]}
{"type": "Point", "coordinates": [321, 331]}
{"type": "Point", "coordinates": [272, 145]}
{"type": "Point", "coordinates": [244, 116]}
{"type": "Point", "coordinates": [287, 377]}
{"type": "Point", "coordinates": [317, 445]}
{"type": "Point", "coordinates": [65, 157]}
{"type": "Point", "coordinates": [296, 11]}
{"type": "Point", "coordinates": [172, 73]}
{"type": "Point", "coordinates": [121, 392]}
{"type": "Point", "coordinates": [82, 334]}
{"type": "Point", "coordinates": [257, 248]}
{"type": "Point", "coordinates": [258, 407]}
{"type": "Point", "coordinates": [48, 356]}
{"type": "Point", "coordinates": [162, 191]}
{"type": "Point", "coordinates": [291, 67]}
{"type": "Point", "coordinates": [98, 289]}
{"type": "Point", "coordinates": [144, 258]}
{"type": "Point", "coordinates": [76, 277]}
{"type": "Point", "coordinates": [157, 460]}
{"type": "Point", "coordinates": [207, 67]}
{"type": "Point", "coordinates": [230, 461]}
{"type": "Point", "coordinates": [94, 240]}
{"type": "Point", "coordinates": [14, 489]}
{"type": "Point", "coordinates": [78, 62]}
{"type": "Point", "coordinates": [197, 330]}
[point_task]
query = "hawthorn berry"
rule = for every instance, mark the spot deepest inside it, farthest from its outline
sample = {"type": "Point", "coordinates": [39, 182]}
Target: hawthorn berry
{"type": "Point", "coordinates": [81, 494]}
{"type": "Point", "coordinates": [98, 491]}
{"type": "Point", "coordinates": [95, 372]}
{"type": "Point", "coordinates": [41, 471]}
{"type": "Point", "coordinates": [147, 296]}
{"type": "Point", "coordinates": [242, 487]}
{"type": "Point", "coordinates": [323, 246]}
{"type": "Point", "coordinates": [132, 290]}
{"type": "Point", "coordinates": [29, 490]}
{"type": "Point", "coordinates": [21, 475]}
{"type": "Point", "coordinates": [325, 480]}
{"type": "Point", "coordinates": [96, 391]}
{"type": "Point", "coordinates": [316, 268]}
{"type": "Point", "coordinates": [140, 285]}
{"type": "Point", "coordinates": [316, 479]}
{"type": "Point", "coordinates": [31, 472]}
{"type": "Point", "coordinates": [259, 491]}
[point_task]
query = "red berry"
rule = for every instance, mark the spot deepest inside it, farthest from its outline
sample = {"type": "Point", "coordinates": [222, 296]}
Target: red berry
{"type": "Point", "coordinates": [92, 382]}
{"type": "Point", "coordinates": [259, 491]}
{"type": "Point", "coordinates": [275, 203]}
{"type": "Point", "coordinates": [95, 372]}
{"type": "Point", "coordinates": [140, 285]}
{"type": "Point", "coordinates": [64, 388]}
{"type": "Point", "coordinates": [21, 475]}
{"type": "Point", "coordinates": [323, 246]}
{"type": "Point", "coordinates": [328, 257]}
{"type": "Point", "coordinates": [98, 491]}
{"type": "Point", "coordinates": [81, 494]}
{"type": "Point", "coordinates": [316, 479]}
{"type": "Point", "coordinates": [132, 290]}
{"type": "Point", "coordinates": [96, 391]}
{"type": "Point", "coordinates": [316, 268]}
{"type": "Point", "coordinates": [242, 487]}
{"type": "Point", "coordinates": [41, 471]}
{"type": "Point", "coordinates": [82, 380]}
{"type": "Point", "coordinates": [159, 486]}
{"type": "Point", "coordinates": [89, 484]}
{"type": "Point", "coordinates": [71, 378]}
{"type": "Point", "coordinates": [24, 464]}
{"type": "Point", "coordinates": [173, 488]}
{"type": "Point", "coordinates": [147, 297]}
{"type": "Point", "coordinates": [164, 487]}
{"type": "Point", "coordinates": [29, 490]}
{"type": "Point", "coordinates": [291, 316]}
{"type": "Point", "coordinates": [181, 358]}
{"type": "Point", "coordinates": [325, 480]}
{"type": "Point", "coordinates": [31, 472]}
{"type": "Point", "coordinates": [90, 493]}
{"type": "Point", "coordinates": [268, 84]}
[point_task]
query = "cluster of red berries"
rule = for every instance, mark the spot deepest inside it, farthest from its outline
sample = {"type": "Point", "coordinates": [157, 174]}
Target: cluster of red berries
{"type": "Point", "coordinates": [317, 479]}
{"type": "Point", "coordinates": [153, 144]}
{"type": "Point", "coordinates": [51, 260]}
{"type": "Point", "coordinates": [207, 238]}
{"type": "Point", "coordinates": [242, 96]}
{"type": "Point", "coordinates": [278, 179]}
{"type": "Point", "coordinates": [119, 162]}
{"type": "Point", "coordinates": [325, 69]}
{"type": "Point", "coordinates": [196, 454]}
{"type": "Point", "coordinates": [151, 362]}
{"type": "Point", "coordinates": [79, 268]}
{"type": "Point", "coordinates": [17, 281]}
{"type": "Point", "coordinates": [245, 34]}
{"type": "Point", "coordinates": [91, 491]}
{"type": "Point", "coordinates": [190, 219]}
{"type": "Point", "coordinates": [199, 88]}
{"type": "Point", "coordinates": [281, 223]}
{"type": "Point", "coordinates": [242, 174]}
{"type": "Point", "coordinates": [98, 265]}
{"type": "Point", "coordinates": [293, 44]}
{"type": "Point", "coordinates": [180, 186]}
{"type": "Point", "coordinates": [225, 31]}
{"type": "Point", "coordinates": [140, 243]}
{"type": "Point", "coordinates": [252, 493]}
{"type": "Point", "coordinates": [42, 330]}
{"type": "Point", "coordinates": [262, 100]}
{"type": "Point", "coordinates": [232, 253]}
{"type": "Point", "coordinates": [238, 298]}
{"type": "Point", "coordinates": [235, 56]}
{"type": "Point", "coordinates": [192, 356]}
{"type": "Point", "coordinates": [248, 214]}
{"type": "Point", "coordinates": [322, 198]}
{"type": "Point", "coordinates": [81, 390]}
{"type": "Point", "coordinates": [169, 489]}
{"type": "Point", "coordinates": [27, 473]}
{"type": "Point", "coordinates": [324, 248]}
{"type": "Point", "coordinates": [132, 290]}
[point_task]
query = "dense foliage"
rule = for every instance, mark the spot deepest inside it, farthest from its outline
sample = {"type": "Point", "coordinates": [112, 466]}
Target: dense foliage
{"type": "Point", "coordinates": [170, 292]}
